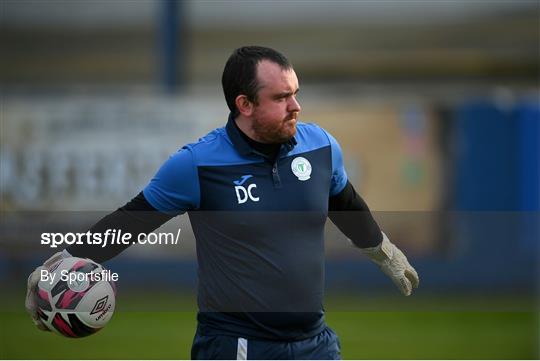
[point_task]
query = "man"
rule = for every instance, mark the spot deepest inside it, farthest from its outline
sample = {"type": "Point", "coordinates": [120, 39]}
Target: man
{"type": "Point", "coordinates": [258, 192]}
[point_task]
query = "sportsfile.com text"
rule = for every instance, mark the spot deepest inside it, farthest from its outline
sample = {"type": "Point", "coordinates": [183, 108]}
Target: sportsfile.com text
{"type": "Point", "coordinates": [109, 237]}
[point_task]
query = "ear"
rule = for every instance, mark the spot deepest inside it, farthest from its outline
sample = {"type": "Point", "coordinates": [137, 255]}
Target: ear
{"type": "Point", "coordinates": [245, 107]}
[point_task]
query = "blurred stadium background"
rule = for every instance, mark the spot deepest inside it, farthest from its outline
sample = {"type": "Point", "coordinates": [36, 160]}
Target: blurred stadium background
{"type": "Point", "coordinates": [435, 103]}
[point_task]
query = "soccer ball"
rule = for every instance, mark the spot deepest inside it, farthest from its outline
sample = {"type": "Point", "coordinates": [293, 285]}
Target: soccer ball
{"type": "Point", "coordinates": [76, 298]}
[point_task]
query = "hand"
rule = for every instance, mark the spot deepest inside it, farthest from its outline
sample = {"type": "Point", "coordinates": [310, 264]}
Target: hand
{"type": "Point", "coordinates": [31, 287]}
{"type": "Point", "coordinates": [394, 264]}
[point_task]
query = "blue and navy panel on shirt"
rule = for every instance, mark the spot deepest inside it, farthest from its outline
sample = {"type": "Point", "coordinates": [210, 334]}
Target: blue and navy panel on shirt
{"type": "Point", "coordinates": [259, 227]}
{"type": "Point", "coordinates": [182, 182]}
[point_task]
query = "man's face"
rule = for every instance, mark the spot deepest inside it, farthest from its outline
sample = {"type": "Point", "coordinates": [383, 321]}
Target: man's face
{"type": "Point", "coordinates": [276, 110]}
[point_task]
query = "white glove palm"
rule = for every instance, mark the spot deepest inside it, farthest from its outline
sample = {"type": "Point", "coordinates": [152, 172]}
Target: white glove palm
{"type": "Point", "coordinates": [31, 295]}
{"type": "Point", "coordinates": [394, 264]}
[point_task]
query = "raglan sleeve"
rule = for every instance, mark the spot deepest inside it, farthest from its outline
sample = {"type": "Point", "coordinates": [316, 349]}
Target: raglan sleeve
{"type": "Point", "coordinates": [339, 175]}
{"type": "Point", "coordinates": [175, 187]}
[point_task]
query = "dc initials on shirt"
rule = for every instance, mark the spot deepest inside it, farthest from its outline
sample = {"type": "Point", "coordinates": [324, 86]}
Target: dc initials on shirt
{"type": "Point", "coordinates": [244, 193]}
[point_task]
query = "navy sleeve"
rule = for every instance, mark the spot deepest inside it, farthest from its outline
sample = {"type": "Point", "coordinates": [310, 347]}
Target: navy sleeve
{"type": "Point", "coordinates": [175, 187]}
{"type": "Point", "coordinates": [172, 191]}
{"type": "Point", "coordinates": [352, 216]}
{"type": "Point", "coordinates": [136, 217]}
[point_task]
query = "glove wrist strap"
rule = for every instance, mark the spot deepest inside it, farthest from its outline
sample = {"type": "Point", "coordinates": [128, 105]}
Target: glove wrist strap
{"type": "Point", "coordinates": [384, 251]}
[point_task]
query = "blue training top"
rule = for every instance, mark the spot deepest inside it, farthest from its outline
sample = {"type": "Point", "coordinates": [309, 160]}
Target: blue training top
{"type": "Point", "coordinates": [259, 228]}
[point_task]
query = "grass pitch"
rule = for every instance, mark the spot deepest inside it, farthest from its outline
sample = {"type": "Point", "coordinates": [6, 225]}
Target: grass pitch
{"type": "Point", "coordinates": [410, 334]}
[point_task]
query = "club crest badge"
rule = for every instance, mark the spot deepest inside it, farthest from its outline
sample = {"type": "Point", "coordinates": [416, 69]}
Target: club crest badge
{"type": "Point", "coordinates": [301, 168]}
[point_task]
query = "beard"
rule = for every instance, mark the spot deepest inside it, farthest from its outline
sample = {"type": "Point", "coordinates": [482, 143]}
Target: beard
{"type": "Point", "coordinates": [276, 132]}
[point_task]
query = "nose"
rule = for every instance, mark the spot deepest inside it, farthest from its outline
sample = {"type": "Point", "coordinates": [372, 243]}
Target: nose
{"type": "Point", "coordinates": [294, 105]}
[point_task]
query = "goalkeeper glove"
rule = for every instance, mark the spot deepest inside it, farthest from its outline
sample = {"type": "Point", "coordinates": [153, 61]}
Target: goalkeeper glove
{"type": "Point", "coordinates": [31, 288]}
{"type": "Point", "coordinates": [394, 264]}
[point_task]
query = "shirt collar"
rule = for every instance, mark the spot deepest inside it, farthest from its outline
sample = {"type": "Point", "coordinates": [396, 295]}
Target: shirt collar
{"type": "Point", "coordinates": [243, 147]}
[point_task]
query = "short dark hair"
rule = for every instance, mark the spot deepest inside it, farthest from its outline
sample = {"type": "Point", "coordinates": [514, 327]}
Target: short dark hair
{"type": "Point", "coordinates": [240, 73]}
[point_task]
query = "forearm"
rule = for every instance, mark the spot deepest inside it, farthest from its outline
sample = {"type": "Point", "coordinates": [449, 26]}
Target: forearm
{"type": "Point", "coordinates": [352, 216]}
{"type": "Point", "coordinates": [136, 217]}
